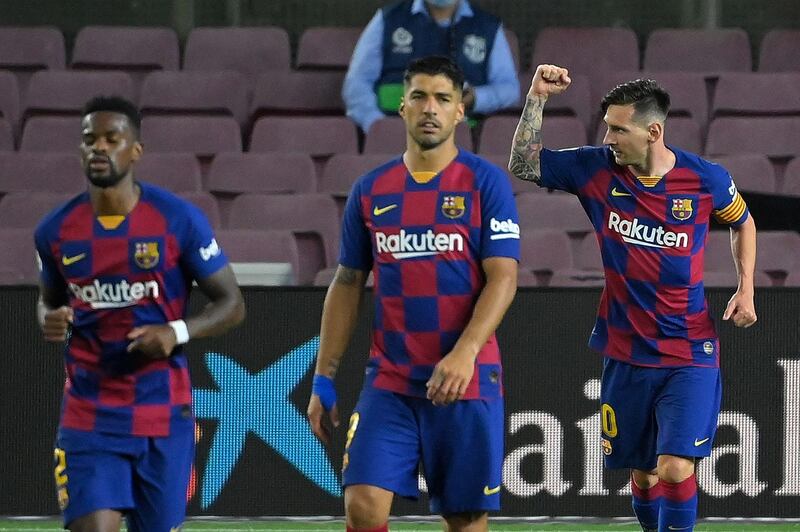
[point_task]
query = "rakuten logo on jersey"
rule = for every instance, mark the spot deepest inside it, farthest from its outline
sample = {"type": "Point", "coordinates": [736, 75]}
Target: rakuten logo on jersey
{"type": "Point", "coordinates": [635, 232]}
{"type": "Point", "coordinates": [114, 295]}
{"type": "Point", "coordinates": [504, 229]}
{"type": "Point", "coordinates": [406, 245]}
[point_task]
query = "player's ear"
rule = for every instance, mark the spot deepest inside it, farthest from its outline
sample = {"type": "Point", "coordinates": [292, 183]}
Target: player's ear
{"type": "Point", "coordinates": [402, 106]}
{"type": "Point", "coordinates": [138, 149]}
{"type": "Point", "coordinates": [655, 131]}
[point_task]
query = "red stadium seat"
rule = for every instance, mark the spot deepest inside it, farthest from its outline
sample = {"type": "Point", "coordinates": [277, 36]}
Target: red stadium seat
{"type": "Point", "coordinates": [293, 93]}
{"type": "Point", "coordinates": [320, 136]}
{"type": "Point", "coordinates": [743, 94]}
{"type": "Point", "coordinates": [130, 48]}
{"type": "Point", "coordinates": [9, 98]}
{"type": "Point", "coordinates": [26, 49]}
{"type": "Point", "coordinates": [780, 51]}
{"type": "Point", "coordinates": [177, 172]}
{"type": "Point", "coordinates": [18, 267]}
{"type": "Point", "coordinates": [205, 136]}
{"type": "Point", "coordinates": [791, 178]}
{"type": "Point", "coordinates": [24, 210]}
{"type": "Point", "coordinates": [51, 134]}
{"type": "Point", "coordinates": [252, 245]}
{"type": "Point", "coordinates": [545, 250]}
{"type": "Point", "coordinates": [696, 50]}
{"type": "Point", "coordinates": [41, 172]}
{"type": "Point", "coordinates": [770, 136]}
{"type": "Point", "coordinates": [750, 171]}
{"type": "Point", "coordinates": [327, 47]}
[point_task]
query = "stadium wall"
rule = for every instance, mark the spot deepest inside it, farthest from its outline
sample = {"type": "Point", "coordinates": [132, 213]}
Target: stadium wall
{"type": "Point", "coordinates": [256, 454]}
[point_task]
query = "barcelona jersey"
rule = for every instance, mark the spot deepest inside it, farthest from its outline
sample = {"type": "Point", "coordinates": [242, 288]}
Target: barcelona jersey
{"type": "Point", "coordinates": [652, 232]}
{"type": "Point", "coordinates": [424, 237]}
{"type": "Point", "coordinates": [120, 274]}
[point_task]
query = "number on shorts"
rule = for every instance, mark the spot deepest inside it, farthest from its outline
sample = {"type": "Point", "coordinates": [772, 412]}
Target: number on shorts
{"type": "Point", "coordinates": [351, 431]}
{"type": "Point", "coordinates": [609, 418]}
{"type": "Point", "coordinates": [61, 466]}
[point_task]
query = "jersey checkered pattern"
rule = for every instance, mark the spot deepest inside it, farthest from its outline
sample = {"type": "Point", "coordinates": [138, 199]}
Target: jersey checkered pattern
{"type": "Point", "coordinates": [424, 242]}
{"type": "Point", "coordinates": [652, 232]}
{"type": "Point", "coordinates": [137, 273]}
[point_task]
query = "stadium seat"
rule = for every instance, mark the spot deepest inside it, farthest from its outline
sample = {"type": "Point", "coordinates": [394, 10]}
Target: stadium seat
{"type": "Point", "coordinates": [130, 48]}
{"type": "Point", "coordinates": [251, 51]}
{"type": "Point", "coordinates": [318, 136]}
{"type": "Point", "coordinates": [729, 279]}
{"type": "Point", "coordinates": [195, 93]}
{"type": "Point", "coordinates": [24, 210]}
{"type": "Point", "coordinates": [39, 172]}
{"type": "Point", "coordinates": [252, 245]}
{"type": "Point", "coordinates": [51, 134]}
{"type": "Point", "coordinates": [327, 47]}
{"type": "Point", "coordinates": [207, 203]}
{"type": "Point", "coordinates": [791, 178]}
{"type": "Point", "coordinates": [780, 51]}
{"type": "Point", "coordinates": [298, 93]}
{"type": "Point", "coordinates": [6, 135]}
{"type": "Point", "coordinates": [388, 135]}
{"type": "Point", "coordinates": [587, 51]}
{"type": "Point", "coordinates": [552, 211]}
{"type": "Point", "coordinates": [587, 254]}
{"type": "Point", "coordinates": [778, 253]}
{"type": "Point", "coordinates": [771, 136]}
{"type": "Point", "coordinates": [64, 92]}
{"type": "Point", "coordinates": [577, 101]}
{"type": "Point", "coordinates": [313, 218]}
{"type": "Point", "coordinates": [518, 186]}
{"type": "Point", "coordinates": [557, 132]}
{"type": "Point", "coordinates": [718, 256]}
{"type": "Point", "coordinates": [204, 136]}
{"type": "Point", "coordinates": [698, 50]}
{"type": "Point", "coordinates": [680, 131]}
{"type": "Point", "coordinates": [26, 49]}
{"type": "Point", "coordinates": [18, 263]}
{"type": "Point", "coordinates": [750, 171]}
{"type": "Point", "coordinates": [744, 94]}
{"type": "Point", "coordinates": [9, 98]}
{"type": "Point", "coordinates": [545, 250]}
{"type": "Point", "coordinates": [342, 170]}
{"type": "Point", "coordinates": [177, 172]}
{"type": "Point", "coordinates": [793, 279]}
{"type": "Point", "coordinates": [267, 173]}
{"type": "Point", "coordinates": [526, 278]}
{"type": "Point", "coordinates": [577, 278]}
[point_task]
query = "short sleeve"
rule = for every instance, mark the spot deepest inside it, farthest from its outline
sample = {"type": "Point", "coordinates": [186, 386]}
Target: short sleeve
{"type": "Point", "coordinates": [562, 169]}
{"type": "Point", "coordinates": [48, 268]}
{"type": "Point", "coordinates": [201, 255]}
{"type": "Point", "coordinates": [356, 247]}
{"type": "Point", "coordinates": [499, 218]}
{"type": "Point", "coordinates": [729, 206]}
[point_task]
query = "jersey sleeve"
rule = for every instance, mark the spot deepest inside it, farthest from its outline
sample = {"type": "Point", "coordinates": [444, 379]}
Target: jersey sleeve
{"type": "Point", "coordinates": [729, 206]}
{"type": "Point", "coordinates": [562, 169]}
{"type": "Point", "coordinates": [355, 250]}
{"type": "Point", "coordinates": [499, 217]}
{"type": "Point", "coordinates": [49, 273]}
{"type": "Point", "coordinates": [200, 253]}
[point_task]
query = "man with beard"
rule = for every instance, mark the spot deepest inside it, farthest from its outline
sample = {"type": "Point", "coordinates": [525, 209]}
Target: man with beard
{"type": "Point", "coordinates": [117, 265]}
{"type": "Point", "coordinates": [438, 227]}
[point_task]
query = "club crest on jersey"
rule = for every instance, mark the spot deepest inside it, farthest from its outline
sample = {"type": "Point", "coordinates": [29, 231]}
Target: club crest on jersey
{"type": "Point", "coordinates": [146, 255]}
{"type": "Point", "coordinates": [453, 206]}
{"type": "Point", "coordinates": [682, 208]}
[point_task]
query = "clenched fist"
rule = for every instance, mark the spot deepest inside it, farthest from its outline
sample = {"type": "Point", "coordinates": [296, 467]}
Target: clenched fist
{"type": "Point", "coordinates": [549, 79]}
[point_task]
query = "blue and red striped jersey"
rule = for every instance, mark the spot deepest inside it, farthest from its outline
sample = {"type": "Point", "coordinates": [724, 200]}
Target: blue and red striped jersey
{"type": "Point", "coordinates": [424, 237]}
{"type": "Point", "coordinates": [652, 232]}
{"type": "Point", "coordinates": [120, 274]}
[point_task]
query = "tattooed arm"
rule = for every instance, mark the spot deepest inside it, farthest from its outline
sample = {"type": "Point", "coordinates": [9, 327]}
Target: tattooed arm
{"type": "Point", "coordinates": [527, 144]}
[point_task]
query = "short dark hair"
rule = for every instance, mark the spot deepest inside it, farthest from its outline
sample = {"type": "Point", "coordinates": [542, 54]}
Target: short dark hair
{"type": "Point", "coordinates": [115, 104]}
{"type": "Point", "coordinates": [433, 65]}
{"type": "Point", "coordinates": [646, 96]}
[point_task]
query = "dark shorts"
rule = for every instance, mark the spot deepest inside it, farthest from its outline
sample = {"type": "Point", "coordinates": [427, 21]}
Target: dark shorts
{"type": "Point", "coordinates": [647, 412]}
{"type": "Point", "coordinates": [144, 478]}
{"type": "Point", "coordinates": [460, 447]}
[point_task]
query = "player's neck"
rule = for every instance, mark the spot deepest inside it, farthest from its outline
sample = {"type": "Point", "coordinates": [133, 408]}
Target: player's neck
{"type": "Point", "coordinates": [659, 161]}
{"type": "Point", "coordinates": [435, 160]}
{"type": "Point", "coordinates": [118, 200]}
{"type": "Point", "coordinates": [441, 14]}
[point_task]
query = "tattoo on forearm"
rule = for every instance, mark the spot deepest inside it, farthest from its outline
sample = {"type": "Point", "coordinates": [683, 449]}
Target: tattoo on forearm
{"type": "Point", "coordinates": [333, 367]}
{"type": "Point", "coordinates": [524, 162]}
{"type": "Point", "coordinates": [345, 276]}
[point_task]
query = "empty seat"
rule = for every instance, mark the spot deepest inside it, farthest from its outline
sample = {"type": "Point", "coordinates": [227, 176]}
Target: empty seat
{"type": "Point", "coordinates": [552, 211]}
{"type": "Point", "coordinates": [51, 134]}
{"type": "Point", "coordinates": [298, 93]}
{"type": "Point", "coordinates": [6, 135]}
{"type": "Point", "coordinates": [388, 135]}
{"type": "Point", "coordinates": [253, 245]}
{"type": "Point", "coordinates": [557, 132]}
{"type": "Point", "coordinates": [793, 279]}
{"type": "Point", "coordinates": [312, 217]}
{"type": "Point", "coordinates": [18, 264]}
{"type": "Point", "coordinates": [780, 51]}
{"type": "Point", "coordinates": [577, 278]}
{"type": "Point", "coordinates": [773, 136]}
{"type": "Point", "coordinates": [718, 256]}
{"type": "Point", "coordinates": [342, 170]}
{"type": "Point", "coordinates": [251, 51]}
{"type": "Point", "coordinates": [327, 47]}
{"type": "Point", "coordinates": [526, 278]}
{"type": "Point", "coordinates": [274, 173]}
{"type": "Point", "coordinates": [177, 172]}
{"type": "Point", "coordinates": [680, 131]}
{"type": "Point", "coordinates": [587, 51]}
{"type": "Point", "coordinates": [545, 250]}
{"type": "Point", "coordinates": [24, 210]}
{"type": "Point", "coordinates": [41, 172]}
{"type": "Point", "coordinates": [696, 50]}
{"type": "Point", "coordinates": [207, 203]}
{"type": "Point", "coordinates": [778, 252]}
{"type": "Point", "coordinates": [66, 91]}
{"type": "Point", "coordinates": [757, 94]}
{"type": "Point", "coordinates": [587, 255]}
{"type": "Point", "coordinates": [791, 178]}
{"type": "Point", "coordinates": [26, 49]}
{"type": "Point", "coordinates": [195, 93]}
{"type": "Point", "coordinates": [750, 171]}
{"type": "Point", "coordinates": [317, 136]}
{"type": "Point", "coordinates": [513, 45]}
{"type": "Point", "coordinates": [9, 97]}
{"type": "Point", "coordinates": [577, 101]}
{"type": "Point", "coordinates": [129, 48]}
{"type": "Point", "coordinates": [204, 136]}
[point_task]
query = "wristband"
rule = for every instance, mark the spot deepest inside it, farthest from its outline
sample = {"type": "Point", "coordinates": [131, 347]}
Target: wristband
{"type": "Point", "coordinates": [181, 331]}
{"type": "Point", "coordinates": [323, 387]}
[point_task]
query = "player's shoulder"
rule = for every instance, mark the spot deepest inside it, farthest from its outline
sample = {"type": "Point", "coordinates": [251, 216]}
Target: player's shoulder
{"type": "Point", "coordinates": [702, 167]}
{"type": "Point", "coordinates": [168, 203]}
{"type": "Point", "coordinates": [366, 180]}
{"type": "Point", "coordinates": [480, 167]}
{"type": "Point", "coordinates": [48, 227]}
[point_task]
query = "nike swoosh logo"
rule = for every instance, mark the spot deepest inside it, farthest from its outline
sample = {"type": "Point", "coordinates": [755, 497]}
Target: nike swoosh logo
{"type": "Point", "coordinates": [377, 211]}
{"type": "Point", "coordinates": [616, 193]}
{"type": "Point", "coordinates": [698, 443]}
{"type": "Point", "coordinates": [491, 491]}
{"type": "Point", "coordinates": [66, 261]}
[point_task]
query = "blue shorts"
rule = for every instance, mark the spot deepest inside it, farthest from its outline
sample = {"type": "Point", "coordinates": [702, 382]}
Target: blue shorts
{"type": "Point", "coordinates": [647, 412]}
{"type": "Point", "coordinates": [144, 478]}
{"type": "Point", "coordinates": [460, 447]}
